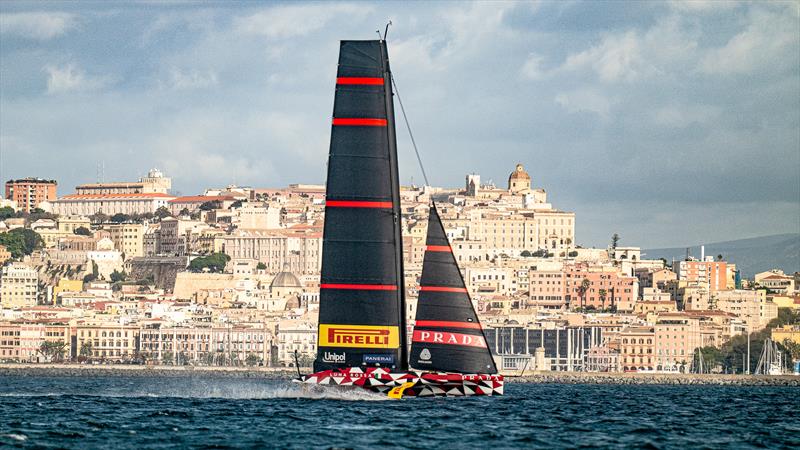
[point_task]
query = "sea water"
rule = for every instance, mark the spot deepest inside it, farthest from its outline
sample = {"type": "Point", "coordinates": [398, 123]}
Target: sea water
{"type": "Point", "coordinates": [186, 412]}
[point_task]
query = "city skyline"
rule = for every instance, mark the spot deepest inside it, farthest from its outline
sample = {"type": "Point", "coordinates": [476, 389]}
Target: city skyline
{"type": "Point", "coordinates": [673, 124]}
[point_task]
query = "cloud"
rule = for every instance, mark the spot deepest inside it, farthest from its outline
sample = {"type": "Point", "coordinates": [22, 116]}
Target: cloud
{"type": "Point", "coordinates": [37, 25]}
{"type": "Point", "coordinates": [532, 69]}
{"type": "Point", "coordinates": [71, 78]}
{"type": "Point", "coordinates": [191, 80]}
{"type": "Point", "coordinates": [616, 58]}
{"type": "Point", "coordinates": [585, 100]}
{"type": "Point", "coordinates": [768, 38]}
{"type": "Point", "coordinates": [282, 22]}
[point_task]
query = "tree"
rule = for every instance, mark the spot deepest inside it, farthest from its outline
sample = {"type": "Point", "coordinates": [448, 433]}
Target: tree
{"type": "Point", "coordinates": [53, 351]}
{"type": "Point", "coordinates": [116, 277]}
{"type": "Point", "coordinates": [584, 287]}
{"type": "Point", "coordinates": [719, 257]}
{"type": "Point", "coordinates": [92, 276]}
{"type": "Point", "coordinates": [603, 294]}
{"type": "Point", "coordinates": [525, 253]}
{"type": "Point", "coordinates": [572, 254]}
{"type": "Point", "coordinates": [99, 217]}
{"type": "Point", "coordinates": [185, 212]}
{"type": "Point", "coordinates": [614, 241]}
{"type": "Point", "coordinates": [162, 212]}
{"type": "Point", "coordinates": [214, 263]}
{"type": "Point", "coordinates": [261, 266]}
{"type": "Point", "coordinates": [83, 231]}
{"type": "Point", "coordinates": [21, 241]}
{"type": "Point", "coordinates": [210, 205]}
{"type": "Point", "coordinates": [6, 212]}
{"type": "Point", "coordinates": [86, 349]}
{"type": "Point", "coordinates": [236, 204]}
{"type": "Point", "coordinates": [252, 359]}
{"type": "Point", "coordinates": [14, 243]}
{"type": "Point", "coordinates": [120, 218]}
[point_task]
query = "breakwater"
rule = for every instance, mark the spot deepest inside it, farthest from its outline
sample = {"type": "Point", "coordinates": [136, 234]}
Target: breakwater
{"type": "Point", "coordinates": [123, 370]}
{"type": "Point", "coordinates": [656, 378]}
{"type": "Point", "coordinates": [281, 373]}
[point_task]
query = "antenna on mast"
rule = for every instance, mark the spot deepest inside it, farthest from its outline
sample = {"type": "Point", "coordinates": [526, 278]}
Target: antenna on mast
{"type": "Point", "coordinates": [386, 31]}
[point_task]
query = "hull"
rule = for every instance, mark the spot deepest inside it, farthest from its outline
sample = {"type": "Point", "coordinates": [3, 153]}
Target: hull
{"type": "Point", "coordinates": [425, 384]}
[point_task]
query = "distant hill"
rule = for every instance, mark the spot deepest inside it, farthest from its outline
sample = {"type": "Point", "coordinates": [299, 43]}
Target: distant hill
{"type": "Point", "coordinates": [751, 256]}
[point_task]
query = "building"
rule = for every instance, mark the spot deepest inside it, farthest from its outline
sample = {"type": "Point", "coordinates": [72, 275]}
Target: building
{"type": "Point", "coordinates": [110, 204]}
{"type": "Point", "coordinates": [708, 272]}
{"type": "Point", "coordinates": [128, 238]}
{"type": "Point", "coordinates": [107, 341]}
{"type": "Point", "coordinates": [5, 255]}
{"type": "Point", "coordinates": [28, 193]}
{"type": "Point", "coordinates": [19, 286]}
{"type": "Point", "coordinates": [154, 183]}
{"type": "Point", "coordinates": [677, 336]}
{"type": "Point", "coordinates": [751, 307]}
{"type": "Point", "coordinates": [297, 251]}
{"type": "Point", "coordinates": [637, 349]}
{"type": "Point", "coordinates": [776, 281]}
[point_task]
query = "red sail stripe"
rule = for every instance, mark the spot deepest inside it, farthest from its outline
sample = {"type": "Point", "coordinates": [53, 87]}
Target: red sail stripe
{"type": "Point", "coordinates": [359, 122]}
{"type": "Point", "coordinates": [357, 204]}
{"type": "Point", "coordinates": [443, 337]}
{"type": "Point", "coordinates": [446, 324]}
{"type": "Point", "coordinates": [442, 289]}
{"type": "Point", "coordinates": [360, 287]}
{"type": "Point", "coordinates": [438, 248]}
{"type": "Point", "coordinates": [359, 80]}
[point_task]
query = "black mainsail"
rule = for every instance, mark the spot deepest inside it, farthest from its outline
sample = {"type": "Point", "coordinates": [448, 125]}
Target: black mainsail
{"type": "Point", "coordinates": [447, 334]}
{"type": "Point", "coordinates": [362, 290]}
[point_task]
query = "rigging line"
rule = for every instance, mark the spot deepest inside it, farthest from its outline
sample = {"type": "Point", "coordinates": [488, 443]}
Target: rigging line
{"type": "Point", "coordinates": [410, 134]}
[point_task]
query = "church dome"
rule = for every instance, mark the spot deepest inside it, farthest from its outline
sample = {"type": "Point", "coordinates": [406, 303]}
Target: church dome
{"type": "Point", "coordinates": [284, 280]}
{"type": "Point", "coordinates": [519, 174]}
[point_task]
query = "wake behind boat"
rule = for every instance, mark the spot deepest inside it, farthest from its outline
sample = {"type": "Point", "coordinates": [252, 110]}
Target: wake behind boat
{"type": "Point", "coordinates": [361, 340]}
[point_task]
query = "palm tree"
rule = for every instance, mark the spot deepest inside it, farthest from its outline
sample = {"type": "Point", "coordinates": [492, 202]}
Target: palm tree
{"type": "Point", "coordinates": [603, 294]}
{"type": "Point", "coordinates": [584, 287]}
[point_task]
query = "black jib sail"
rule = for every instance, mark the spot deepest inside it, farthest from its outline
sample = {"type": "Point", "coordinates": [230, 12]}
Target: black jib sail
{"type": "Point", "coordinates": [447, 335]}
{"type": "Point", "coordinates": [362, 292]}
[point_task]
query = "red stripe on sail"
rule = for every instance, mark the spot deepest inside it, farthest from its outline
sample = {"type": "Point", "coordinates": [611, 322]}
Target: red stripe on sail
{"type": "Point", "coordinates": [359, 122]}
{"type": "Point", "coordinates": [359, 80]}
{"type": "Point", "coordinates": [446, 324]}
{"type": "Point", "coordinates": [357, 204]}
{"type": "Point", "coordinates": [438, 248]}
{"type": "Point", "coordinates": [442, 337]}
{"type": "Point", "coordinates": [442, 289]}
{"type": "Point", "coordinates": [360, 287]}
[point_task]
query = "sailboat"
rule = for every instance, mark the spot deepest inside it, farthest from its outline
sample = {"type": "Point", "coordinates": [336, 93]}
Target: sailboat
{"type": "Point", "coordinates": [362, 332]}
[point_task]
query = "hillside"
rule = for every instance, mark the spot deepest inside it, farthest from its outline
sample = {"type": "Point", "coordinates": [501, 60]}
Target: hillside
{"type": "Point", "coordinates": [753, 255]}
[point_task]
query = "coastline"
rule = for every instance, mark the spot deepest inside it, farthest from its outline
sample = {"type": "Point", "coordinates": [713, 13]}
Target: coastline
{"type": "Point", "coordinates": [282, 373]}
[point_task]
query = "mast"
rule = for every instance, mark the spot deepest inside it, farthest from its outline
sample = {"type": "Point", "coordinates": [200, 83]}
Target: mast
{"type": "Point", "coordinates": [397, 214]}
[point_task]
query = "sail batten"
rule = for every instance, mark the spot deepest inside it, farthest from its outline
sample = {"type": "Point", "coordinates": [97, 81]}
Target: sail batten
{"type": "Point", "coordinates": [447, 333]}
{"type": "Point", "coordinates": [361, 285]}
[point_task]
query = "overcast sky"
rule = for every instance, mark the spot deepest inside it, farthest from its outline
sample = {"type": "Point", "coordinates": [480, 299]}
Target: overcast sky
{"type": "Point", "coordinates": [668, 123]}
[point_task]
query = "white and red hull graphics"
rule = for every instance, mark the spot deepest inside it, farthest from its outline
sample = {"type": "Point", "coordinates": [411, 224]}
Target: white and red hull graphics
{"type": "Point", "coordinates": [426, 384]}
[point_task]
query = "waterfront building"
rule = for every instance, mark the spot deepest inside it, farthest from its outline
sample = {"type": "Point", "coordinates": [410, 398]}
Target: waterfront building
{"type": "Point", "coordinates": [637, 349]}
{"type": "Point", "coordinates": [28, 193]}
{"type": "Point", "coordinates": [564, 347]}
{"type": "Point", "coordinates": [677, 336]}
{"type": "Point", "coordinates": [785, 333]}
{"type": "Point", "coordinates": [105, 340]}
{"type": "Point", "coordinates": [19, 286]}
{"type": "Point", "coordinates": [299, 336]}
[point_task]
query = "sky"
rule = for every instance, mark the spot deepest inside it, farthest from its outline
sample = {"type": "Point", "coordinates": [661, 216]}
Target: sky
{"type": "Point", "coordinates": [669, 123]}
